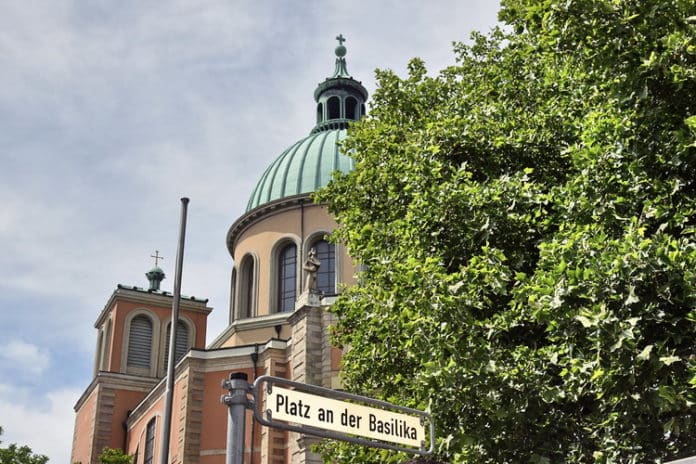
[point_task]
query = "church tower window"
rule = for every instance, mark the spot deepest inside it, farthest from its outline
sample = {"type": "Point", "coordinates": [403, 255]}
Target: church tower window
{"type": "Point", "coordinates": [287, 278]}
{"type": "Point", "coordinates": [140, 342]}
{"type": "Point", "coordinates": [99, 361]}
{"type": "Point", "coordinates": [182, 342]}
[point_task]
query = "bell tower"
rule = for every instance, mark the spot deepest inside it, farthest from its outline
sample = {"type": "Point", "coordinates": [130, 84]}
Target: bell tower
{"type": "Point", "coordinates": [133, 331]}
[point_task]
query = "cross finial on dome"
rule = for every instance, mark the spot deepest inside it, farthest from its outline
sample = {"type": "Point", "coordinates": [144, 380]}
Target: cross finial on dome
{"type": "Point", "coordinates": [341, 49]}
{"type": "Point", "coordinates": [341, 70]}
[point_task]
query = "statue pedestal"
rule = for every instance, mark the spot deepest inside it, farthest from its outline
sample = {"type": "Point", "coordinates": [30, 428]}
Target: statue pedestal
{"type": "Point", "coordinates": [311, 299]}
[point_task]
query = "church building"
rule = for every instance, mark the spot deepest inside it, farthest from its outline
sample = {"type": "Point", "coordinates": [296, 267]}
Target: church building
{"type": "Point", "coordinates": [278, 316]}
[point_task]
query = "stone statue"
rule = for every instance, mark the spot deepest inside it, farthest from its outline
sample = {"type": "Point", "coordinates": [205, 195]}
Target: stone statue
{"type": "Point", "coordinates": [311, 265]}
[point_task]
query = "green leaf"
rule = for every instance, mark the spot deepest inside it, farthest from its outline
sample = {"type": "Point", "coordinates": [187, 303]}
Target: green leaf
{"type": "Point", "coordinates": [644, 355]}
{"type": "Point", "coordinates": [668, 360]}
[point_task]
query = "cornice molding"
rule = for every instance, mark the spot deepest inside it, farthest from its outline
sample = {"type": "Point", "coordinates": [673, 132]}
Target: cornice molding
{"type": "Point", "coordinates": [340, 83]}
{"type": "Point", "coordinates": [116, 380]}
{"type": "Point", "coordinates": [264, 211]}
{"type": "Point", "coordinates": [150, 298]}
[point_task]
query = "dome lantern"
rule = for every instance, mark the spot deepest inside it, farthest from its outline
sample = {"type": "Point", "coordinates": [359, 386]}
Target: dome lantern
{"type": "Point", "coordinates": [340, 98]}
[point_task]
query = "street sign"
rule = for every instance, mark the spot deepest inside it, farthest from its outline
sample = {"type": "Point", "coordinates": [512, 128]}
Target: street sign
{"type": "Point", "coordinates": [339, 415]}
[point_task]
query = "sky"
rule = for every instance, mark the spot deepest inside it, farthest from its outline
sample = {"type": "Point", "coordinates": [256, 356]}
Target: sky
{"type": "Point", "coordinates": [110, 112]}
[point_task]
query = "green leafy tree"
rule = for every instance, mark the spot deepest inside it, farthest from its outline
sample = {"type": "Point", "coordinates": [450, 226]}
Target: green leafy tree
{"type": "Point", "coordinates": [527, 224]}
{"type": "Point", "coordinates": [115, 456]}
{"type": "Point", "coordinates": [14, 454]}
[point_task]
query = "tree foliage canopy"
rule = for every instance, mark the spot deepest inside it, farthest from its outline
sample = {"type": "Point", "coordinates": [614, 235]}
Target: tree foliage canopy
{"type": "Point", "coordinates": [115, 456]}
{"type": "Point", "coordinates": [527, 224]}
{"type": "Point", "coordinates": [15, 454]}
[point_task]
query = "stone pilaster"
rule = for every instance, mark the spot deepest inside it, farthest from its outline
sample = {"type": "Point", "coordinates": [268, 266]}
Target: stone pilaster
{"type": "Point", "coordinates": [274, 447]}
{"type": "Point", "coordinates": [300, 446]}
{"type": "Point", "coordinates": [306, 358]}
{"type": "Point", "coordinates": [191, 415]}
{"type": "Point", "coordinates": [307, 340]}
{"type": "Point", "coordinates": [330, 355]}
{"type": "Point", "coordinates": [104, 419]}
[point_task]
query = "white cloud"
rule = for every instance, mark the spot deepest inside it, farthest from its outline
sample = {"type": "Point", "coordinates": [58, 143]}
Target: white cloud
{"type": "Point", "coordinates": [43, 422]}
{"type": "Point", "coordinates": [21, 357]}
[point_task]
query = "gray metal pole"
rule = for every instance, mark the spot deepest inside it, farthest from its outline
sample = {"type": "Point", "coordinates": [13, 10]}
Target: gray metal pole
{"type": "Point", "coordinates": [169, 394]}
{"type": "Point", "coordinates": [237, 402]}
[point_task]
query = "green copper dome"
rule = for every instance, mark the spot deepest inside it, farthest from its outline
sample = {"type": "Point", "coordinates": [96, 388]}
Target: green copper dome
{"type": "Point", "coordinates": [303, 168]}
{"type": "Point", "coordinates": [309, 163]}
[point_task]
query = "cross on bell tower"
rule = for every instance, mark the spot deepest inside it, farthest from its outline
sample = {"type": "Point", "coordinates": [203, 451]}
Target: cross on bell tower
{"type": "Point", "coordinates": [157, 257]}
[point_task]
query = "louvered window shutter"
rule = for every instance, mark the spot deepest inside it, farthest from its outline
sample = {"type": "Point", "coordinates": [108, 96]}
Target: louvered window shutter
{"type": "Point", "coordinates": [181, 342]}
{"type": "Point", "coordinates": [140, 342]}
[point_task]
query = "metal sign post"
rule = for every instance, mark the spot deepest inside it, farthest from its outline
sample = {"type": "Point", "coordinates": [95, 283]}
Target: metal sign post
{"type": "Point", "coordinates": [237, 402]}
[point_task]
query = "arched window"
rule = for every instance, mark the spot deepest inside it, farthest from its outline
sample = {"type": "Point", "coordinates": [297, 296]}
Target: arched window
{"type": "Point", "coordinates": [182, 342]}
{"type": "Point", "coordinates": [140, 342]}
{"type": "Point", "coordinates": [150, 442]}
{"type": "Point", "coordinates": [246, 287]}
{"type": "Point", "coordinates": [104, 355]}
{"type": "Point", "coordinates": [100, 352]}
{"type": "Point", "coordinates": [320, 113]}
{"type": "Point", "coordinates": [233, 292]}
{"type": "Point", "coordinates": [326, 277]}
{"type": "Point", "coordinates": [287, 278]}
{"type": "Point", "coordinates": [334, 107]}
{"type": "Point", "coordinates": [351, 108]}
{"type": "Point", "coordinates": [362, 110]}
